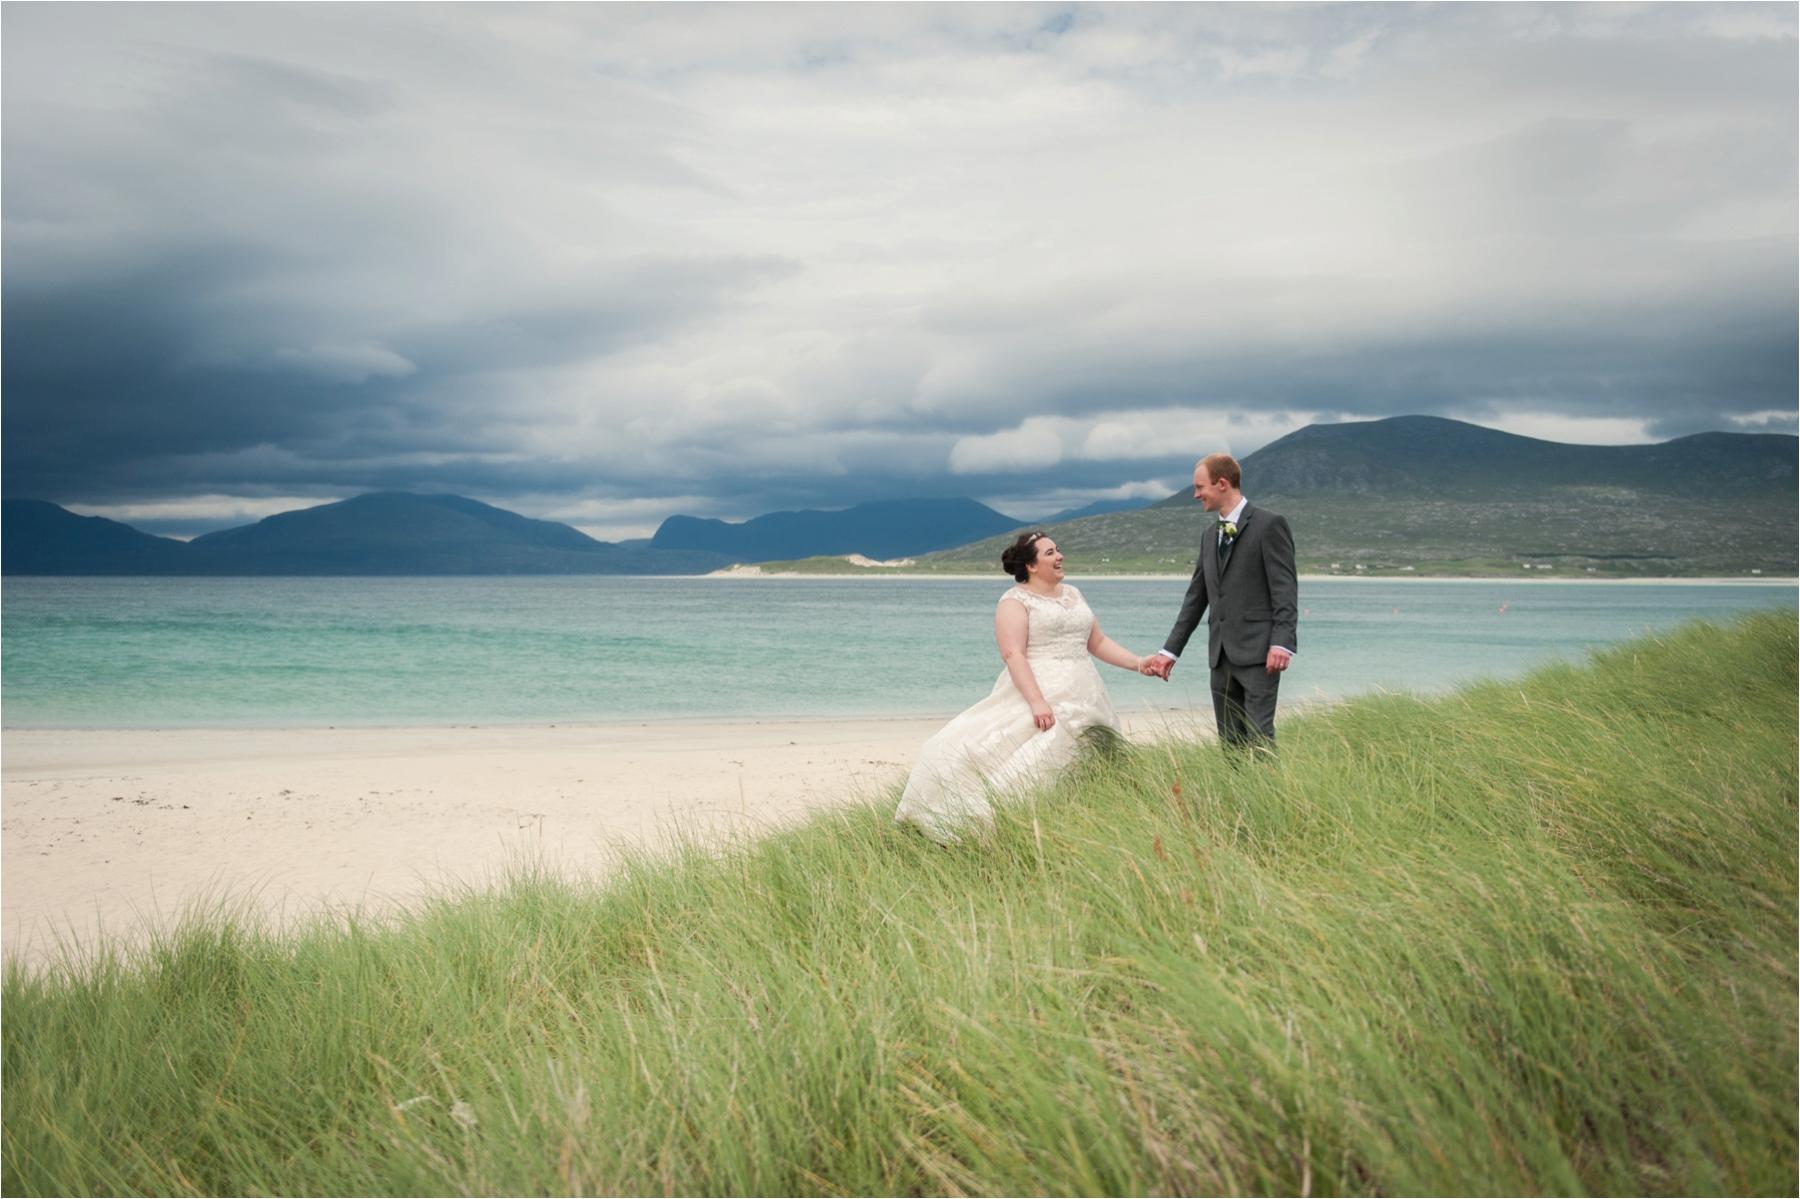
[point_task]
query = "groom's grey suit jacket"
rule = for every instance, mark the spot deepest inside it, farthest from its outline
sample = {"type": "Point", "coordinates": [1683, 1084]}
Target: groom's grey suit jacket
{"type": "Point", "coordinates": [1249, 600]}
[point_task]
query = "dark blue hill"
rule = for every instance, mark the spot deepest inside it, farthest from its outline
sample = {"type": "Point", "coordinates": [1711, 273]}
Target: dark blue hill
{"type": "Point", "coordinates": [883, 529]}
{"type": "Point", "coordinates": [1405, 456]}
{"type": "Point", "coordinates": [40, 538]}
{"type": "Point", "coordinates": [381, 533]}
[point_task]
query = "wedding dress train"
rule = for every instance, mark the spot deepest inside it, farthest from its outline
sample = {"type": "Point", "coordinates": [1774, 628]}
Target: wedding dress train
{"type": "Point", "coordinates": [995, 747]}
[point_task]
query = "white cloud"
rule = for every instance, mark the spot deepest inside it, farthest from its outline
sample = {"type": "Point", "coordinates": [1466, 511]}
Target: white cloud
{"type": "Point", "coordinates": [1032, 446]}
{"type": "Point", "coordinates": [1058, 499]}
{"type": "Point", "coordinates": [1574, 430]}
{"type": "Point", "coordinates": [1775, 420]}
{"type": "Point", "coordinates": [345, 363]}
{"type": "Point", "coordinates": [1130, 435]}
{"type": "Point", "coordinates": [1183, 432]}
{"type": "Point", "coordinates": [207, 509]}
{"type": "Point", "coordinates": [618, 519]}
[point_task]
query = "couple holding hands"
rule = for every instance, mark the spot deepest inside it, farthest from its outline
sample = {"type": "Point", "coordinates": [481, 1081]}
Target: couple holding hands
{"type": "Point", "coordinates": [1050, 693]}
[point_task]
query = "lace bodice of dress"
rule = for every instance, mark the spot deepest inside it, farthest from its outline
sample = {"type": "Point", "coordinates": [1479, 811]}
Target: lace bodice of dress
{"type": "Point", "coordinates": [1058, 626]}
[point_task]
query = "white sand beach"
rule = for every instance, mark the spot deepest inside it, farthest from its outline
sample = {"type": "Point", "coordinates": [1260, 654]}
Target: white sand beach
{"type": "Point", "coordinates": [109, 828]}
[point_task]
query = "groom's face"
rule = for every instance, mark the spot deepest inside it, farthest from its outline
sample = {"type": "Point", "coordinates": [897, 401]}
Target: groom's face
{"type": "Point", "coordinates": [1209, 492]}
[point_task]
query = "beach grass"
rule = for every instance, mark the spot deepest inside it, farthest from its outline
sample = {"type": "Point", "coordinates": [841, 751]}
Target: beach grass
{"type": "Point", "coordinates": [1534, 937]}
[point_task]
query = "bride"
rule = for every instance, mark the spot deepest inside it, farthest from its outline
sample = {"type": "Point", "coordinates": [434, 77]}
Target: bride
{"type": "Point", "coordinates": [1026, 728]}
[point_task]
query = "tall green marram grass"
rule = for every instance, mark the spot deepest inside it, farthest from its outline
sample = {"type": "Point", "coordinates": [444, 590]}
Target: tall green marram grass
{"type": "Point", "coordinates": [1533, 937]}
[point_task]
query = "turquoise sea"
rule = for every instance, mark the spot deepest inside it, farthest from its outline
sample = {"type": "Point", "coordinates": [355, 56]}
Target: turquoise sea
{"type": "Point", "coordinates": [159, 652]}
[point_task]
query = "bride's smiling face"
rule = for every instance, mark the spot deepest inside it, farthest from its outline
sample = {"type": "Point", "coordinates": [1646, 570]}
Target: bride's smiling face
{"type": "Point", "coordinates": [1049, 565]}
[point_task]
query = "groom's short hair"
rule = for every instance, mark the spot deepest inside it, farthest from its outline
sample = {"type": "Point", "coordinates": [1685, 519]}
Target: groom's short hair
{"type": "Point", "coordinates": [1223, 466]}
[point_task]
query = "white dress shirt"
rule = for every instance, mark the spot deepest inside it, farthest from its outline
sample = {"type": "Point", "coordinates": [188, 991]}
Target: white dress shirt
{"type": "Point", "coordinates": [1232, 518]}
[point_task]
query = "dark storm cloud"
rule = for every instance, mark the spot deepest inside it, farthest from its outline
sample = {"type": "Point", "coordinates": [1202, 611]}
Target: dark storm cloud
{"type": "Point", "coordinates": [607, 263]}
{"type": "Point", "coordinates": [107, 386]}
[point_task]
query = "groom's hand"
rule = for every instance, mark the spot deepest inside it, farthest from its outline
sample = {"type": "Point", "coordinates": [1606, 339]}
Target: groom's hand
{"type": "Point", "coordinates": [1158, 666]}
{"type": "Point", "coordinates": [1278, 660]}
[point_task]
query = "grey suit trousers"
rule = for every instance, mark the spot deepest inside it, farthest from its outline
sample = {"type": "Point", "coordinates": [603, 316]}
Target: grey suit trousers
{"type": "Point", "coordinates": [1244, 703]}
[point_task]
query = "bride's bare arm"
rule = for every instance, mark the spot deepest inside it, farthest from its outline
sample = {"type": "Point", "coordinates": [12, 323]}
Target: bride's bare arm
{"type": "Point", "coordinates": [1011, 630]}
{"type": "Point", "coordinates": [1111, 652]}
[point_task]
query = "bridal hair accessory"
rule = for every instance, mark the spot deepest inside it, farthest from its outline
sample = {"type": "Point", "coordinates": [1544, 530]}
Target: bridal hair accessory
{"type": "Point", "coordinates": [1018, 556]}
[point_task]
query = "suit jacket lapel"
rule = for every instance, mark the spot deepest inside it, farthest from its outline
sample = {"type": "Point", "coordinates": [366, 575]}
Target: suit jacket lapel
{"type": "Point", "coordinates": [1243, 523]}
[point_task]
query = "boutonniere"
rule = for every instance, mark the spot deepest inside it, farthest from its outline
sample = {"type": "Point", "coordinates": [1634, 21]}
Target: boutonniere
{"type": "Point", "coordinates": [1228, 528]}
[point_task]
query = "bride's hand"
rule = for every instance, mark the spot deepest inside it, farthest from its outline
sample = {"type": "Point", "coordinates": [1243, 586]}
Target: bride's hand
{"type": "Point", "coordinates": [1043, 717]}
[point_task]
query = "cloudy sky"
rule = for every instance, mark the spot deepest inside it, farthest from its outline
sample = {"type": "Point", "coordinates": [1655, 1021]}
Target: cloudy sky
{"type": "Point", "coordinates": [605, 263]}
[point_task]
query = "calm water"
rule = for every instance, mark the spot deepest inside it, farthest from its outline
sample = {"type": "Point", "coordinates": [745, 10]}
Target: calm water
{"type": "Point", "coordinates": [211, 652]}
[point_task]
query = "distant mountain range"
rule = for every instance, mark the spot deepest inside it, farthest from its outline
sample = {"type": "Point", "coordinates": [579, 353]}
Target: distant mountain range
{"type": "Point", "coordinates": [1419, 494]}
{"type": "Point", "coordinates": [885, 529]}
{"type": "Point", "coordinates": [881, 530]}
{"type": "Point", "coordinates": [381, 533]}
{"type": "Point", "coordinates": [1413, 493]}
{"type": "Point", "coordinates": [401, 533]}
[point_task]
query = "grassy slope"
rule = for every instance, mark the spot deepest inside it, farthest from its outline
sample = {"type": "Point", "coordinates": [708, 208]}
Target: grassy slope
{"type": "Point", "coordinates": [1577, 532]}
{"type": "Point", "coordinates": [1568, 528]}
{"type": "Point", "coordinates": [1532, 937]}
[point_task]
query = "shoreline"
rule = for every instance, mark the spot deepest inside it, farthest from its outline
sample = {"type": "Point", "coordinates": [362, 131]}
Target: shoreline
{"type": "Point", "coordinates": [755, 573]}
{"type": "Point", "coordinates": [595, 726]}
{"type": "Point", "coordinates": [1532, 579]}
{"type": "Point", "coordinates": [122, 830]}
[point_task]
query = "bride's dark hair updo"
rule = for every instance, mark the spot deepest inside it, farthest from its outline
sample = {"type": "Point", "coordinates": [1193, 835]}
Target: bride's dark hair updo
{"type": "Point", "coordinates": [1017, 558]}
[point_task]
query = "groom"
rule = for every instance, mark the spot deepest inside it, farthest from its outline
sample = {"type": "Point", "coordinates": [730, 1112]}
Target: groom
{"type": "Point", "coordinates": [1246, 578]}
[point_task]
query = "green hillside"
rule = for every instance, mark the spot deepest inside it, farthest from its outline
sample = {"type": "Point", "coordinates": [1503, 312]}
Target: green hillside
{"type": "Point", "coordinates": [1430, 496]}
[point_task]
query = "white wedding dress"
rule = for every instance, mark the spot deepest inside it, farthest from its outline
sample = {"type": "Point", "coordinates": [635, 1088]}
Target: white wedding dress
{"type": "Point", "coordinates": [995, 747]}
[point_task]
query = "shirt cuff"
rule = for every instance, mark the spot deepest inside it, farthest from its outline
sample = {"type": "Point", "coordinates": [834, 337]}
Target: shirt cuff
{"type": "Point", "coordinates": [1291, 653]}
{"type": "Point", "coordinates": [1163, 653]}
